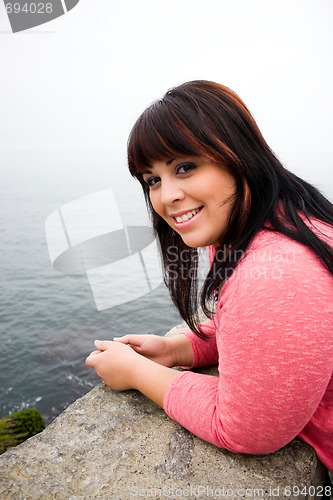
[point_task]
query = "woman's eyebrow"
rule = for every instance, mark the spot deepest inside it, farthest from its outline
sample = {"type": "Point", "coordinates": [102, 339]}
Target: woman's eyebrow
{"type": "Point", "coordinates": [149, 171]}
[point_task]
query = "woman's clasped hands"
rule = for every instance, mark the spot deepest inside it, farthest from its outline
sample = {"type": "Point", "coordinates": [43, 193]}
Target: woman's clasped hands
{"type": "Point", "coordinates": [122, 363]}
{"type": "Point", "coordinates": [113, 362]}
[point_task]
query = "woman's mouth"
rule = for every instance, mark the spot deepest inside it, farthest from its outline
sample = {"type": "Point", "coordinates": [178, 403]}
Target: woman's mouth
{"type": "Point", "coordinates": [187, 216]}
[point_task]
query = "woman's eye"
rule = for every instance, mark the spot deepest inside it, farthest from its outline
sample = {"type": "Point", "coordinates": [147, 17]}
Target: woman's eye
{"type": "Point", "coordinates": [184, 168]}
{"type": "Point", "coordinates": [152, 181]}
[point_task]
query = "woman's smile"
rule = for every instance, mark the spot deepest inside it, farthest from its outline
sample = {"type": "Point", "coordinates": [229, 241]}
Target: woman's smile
{"type": "Point", "coordinates": [194, 196]}
{"type": "Point", "coordinates": [186, 216]}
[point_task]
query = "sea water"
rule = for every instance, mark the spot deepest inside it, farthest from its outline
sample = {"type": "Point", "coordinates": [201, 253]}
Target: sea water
{"type": "Point", "coordinates": [49, 320]}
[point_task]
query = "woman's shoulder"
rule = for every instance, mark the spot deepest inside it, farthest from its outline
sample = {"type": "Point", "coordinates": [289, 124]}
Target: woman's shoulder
{"type": "Point", "coordinates": [272, 247]}
{"type": "Point", "coordinates": [274, 259]}
{"type": "Point", "coordinates": [277, 268]}
{"type": "Point", "coordinates": [267, 237]}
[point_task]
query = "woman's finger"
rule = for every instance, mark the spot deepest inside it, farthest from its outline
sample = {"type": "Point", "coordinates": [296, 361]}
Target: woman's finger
{"type": "Point", "coordinates": [94, 353]}
{"type": "Point", "coordinates": [103, 345]}
{"type": "Point", "coordinates": [90, 360]}
{"type": "Point", "coordinates": [133, 340]}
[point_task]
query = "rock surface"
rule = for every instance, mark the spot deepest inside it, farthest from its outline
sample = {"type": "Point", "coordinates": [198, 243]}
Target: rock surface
{"type": "Point", "coordinates": [110, 445]}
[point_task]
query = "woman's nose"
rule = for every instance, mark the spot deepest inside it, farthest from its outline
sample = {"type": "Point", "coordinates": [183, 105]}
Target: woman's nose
{"type": "Point", "coordinates": [171, 191]}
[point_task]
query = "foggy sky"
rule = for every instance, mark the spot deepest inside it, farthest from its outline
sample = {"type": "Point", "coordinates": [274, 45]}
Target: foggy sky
{"type": "Point", "coordinates": [79, 82]}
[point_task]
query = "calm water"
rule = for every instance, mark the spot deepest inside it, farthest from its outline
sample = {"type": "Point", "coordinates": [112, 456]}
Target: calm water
{"type": "Point", "coordinates": [49, 320]}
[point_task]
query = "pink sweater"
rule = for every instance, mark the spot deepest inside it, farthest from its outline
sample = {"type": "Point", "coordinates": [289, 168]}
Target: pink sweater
{"type": "Point", "coordinates": [272, 338]}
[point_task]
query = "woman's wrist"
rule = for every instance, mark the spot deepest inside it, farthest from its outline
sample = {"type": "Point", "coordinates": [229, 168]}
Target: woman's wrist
{"type": "Point", "coordinates": [152, 379]}
{"type": "Point", "coordinates": [181, 350]}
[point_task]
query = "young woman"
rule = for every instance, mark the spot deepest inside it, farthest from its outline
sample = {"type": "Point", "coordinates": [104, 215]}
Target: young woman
{"type": "Point", "coordinates": [211, 180]}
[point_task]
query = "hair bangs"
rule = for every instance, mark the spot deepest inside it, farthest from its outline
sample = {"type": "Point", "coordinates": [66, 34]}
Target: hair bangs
{"type": "Point", "coordinates": [160, 134]}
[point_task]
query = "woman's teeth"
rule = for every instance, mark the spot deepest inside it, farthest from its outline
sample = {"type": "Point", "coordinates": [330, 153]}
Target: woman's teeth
{"type": "Point", "coordinates": [187, 216]}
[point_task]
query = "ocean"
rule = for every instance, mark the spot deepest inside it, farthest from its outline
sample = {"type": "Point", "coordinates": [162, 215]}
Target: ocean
{"type": "Point", "coordinates": [49, 320]}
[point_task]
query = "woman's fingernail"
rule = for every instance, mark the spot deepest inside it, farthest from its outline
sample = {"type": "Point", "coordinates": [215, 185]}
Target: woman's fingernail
{"type": "Point", "coordinates": [97, 341]}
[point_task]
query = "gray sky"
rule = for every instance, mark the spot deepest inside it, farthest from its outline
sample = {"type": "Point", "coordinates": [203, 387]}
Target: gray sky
{"type": "Point", "coordinates": [80, 81]}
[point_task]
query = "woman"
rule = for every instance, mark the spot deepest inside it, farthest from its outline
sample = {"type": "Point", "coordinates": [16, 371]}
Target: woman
{"type": "Point", "coordinates": [211, 180]}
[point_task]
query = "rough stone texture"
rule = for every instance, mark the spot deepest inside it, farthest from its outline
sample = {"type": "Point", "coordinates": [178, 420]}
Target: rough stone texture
{"type": "Point", "coordinates": [110, 445]}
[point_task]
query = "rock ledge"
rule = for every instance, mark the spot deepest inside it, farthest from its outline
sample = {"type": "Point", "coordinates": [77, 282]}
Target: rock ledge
{"type": "Point", "coordinates": [110, 445]}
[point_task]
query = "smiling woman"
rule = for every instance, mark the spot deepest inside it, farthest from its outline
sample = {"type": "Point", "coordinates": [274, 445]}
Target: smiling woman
{"type": "Point", "coordinates": [210, 179]}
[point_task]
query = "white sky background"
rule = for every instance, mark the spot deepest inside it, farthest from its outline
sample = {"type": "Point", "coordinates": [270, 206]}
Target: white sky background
{"type": "Point", "coordinates": [79, 82]}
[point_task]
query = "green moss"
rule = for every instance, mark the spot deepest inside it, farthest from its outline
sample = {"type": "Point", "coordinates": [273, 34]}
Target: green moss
{"type": "Point", "coordinates": [19, 426]}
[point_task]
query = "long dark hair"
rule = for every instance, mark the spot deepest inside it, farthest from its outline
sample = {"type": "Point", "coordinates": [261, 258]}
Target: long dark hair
{"type": "Point", "coordinates": [202, 118]}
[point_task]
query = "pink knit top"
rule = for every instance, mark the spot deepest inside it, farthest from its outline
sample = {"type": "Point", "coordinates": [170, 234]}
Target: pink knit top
{"type": "Point", "coordinates": [272, 338]}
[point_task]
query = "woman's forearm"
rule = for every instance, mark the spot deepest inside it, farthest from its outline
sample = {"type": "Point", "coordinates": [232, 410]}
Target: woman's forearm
{"type": "Point", "coordinates": [152, 379]}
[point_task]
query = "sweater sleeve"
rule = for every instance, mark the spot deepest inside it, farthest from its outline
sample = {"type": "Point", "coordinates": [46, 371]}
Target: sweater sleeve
{"type": "Point", "coordinates": [204, 350]}
{"type": "Point", "coordinates": [275, 349]}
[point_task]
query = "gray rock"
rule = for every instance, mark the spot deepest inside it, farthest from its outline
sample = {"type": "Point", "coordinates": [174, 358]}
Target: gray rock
{"type": "Point", "coordinates": [110, 445]}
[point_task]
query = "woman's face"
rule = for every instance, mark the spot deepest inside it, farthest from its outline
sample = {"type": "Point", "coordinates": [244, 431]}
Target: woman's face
{"type": "Point", "coordinates": [194, 196]}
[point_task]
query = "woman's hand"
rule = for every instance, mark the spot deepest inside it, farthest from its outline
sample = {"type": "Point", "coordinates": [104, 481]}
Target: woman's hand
{"type": "Point", "coordinates": [121, 368]}
{"type": "Point", "coordinates": [113, 362]}
{"type": "Point", "coordinates": [153, 347]}
{"type": "Point", "coordinates": [166, 351]}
